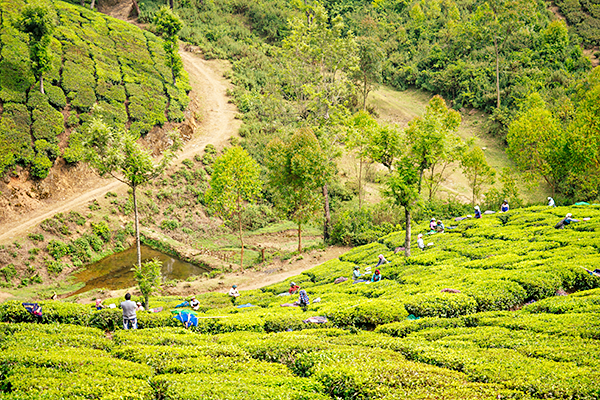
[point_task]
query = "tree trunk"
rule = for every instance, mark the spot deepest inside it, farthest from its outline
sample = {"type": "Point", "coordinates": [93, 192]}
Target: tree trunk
{"type": "Point", "coordinates": [421, 179]}
{"type": "Point", "coordinates": [327, 220]}
{"type": "Point", "coordinates": [42, 84]}
{"type": "Point", "coordinates": [497, 72]}
{"type": "Point", "coordinates": [82, 3]}
{"type": "Point", "coordinates": [137, 8]}
{"type": "Point", "coordinates": [92, 4]}
{"type": "Point", "coordinates": [407, 236]}
{"type": "Point", "coordinates": [171, 4]}
{"type": "Point", "coordinates": [147, 301]}
{"type": "Point", "coordinates": [365, 94]}
{"type": "Point", "coordinates": [239, 213]}
{"type": "Point", "coordinates": [360, 184]}
{"type": "Point", "coordinates": [137, 228]}
{"type": "Point", "coordinates": [299, 237]}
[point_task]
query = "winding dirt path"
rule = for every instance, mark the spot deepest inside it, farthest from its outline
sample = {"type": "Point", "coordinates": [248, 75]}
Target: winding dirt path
{"type": "Point", "coordinates": [208, 100]}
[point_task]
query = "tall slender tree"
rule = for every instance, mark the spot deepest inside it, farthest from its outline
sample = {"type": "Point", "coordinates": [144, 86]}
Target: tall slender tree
{"type": "Point", "coordinates": [477, 171]}
{"type": "Point", "coordinates": [429, 136]}
{"type": "Point", "coordinates": [168, 25]}
{"type": "Point", "coordinates": [297, 172]}
{"type": "Point", "coordinates": [36, 20]}
{"type": "Point", "coordinates": [401, 187]}
{"type": "Point", "coordinates": [115, 153]}
{"type": "Point", "coordinates": [234, 184]}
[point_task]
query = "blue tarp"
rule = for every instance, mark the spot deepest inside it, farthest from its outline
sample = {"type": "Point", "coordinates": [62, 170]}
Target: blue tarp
{"type": "Point", "coordinates": [184, 304]}
{"type": "Point", "coordinates": [245, 305]}
{"type": "Point", "coordinates": [188, 318]}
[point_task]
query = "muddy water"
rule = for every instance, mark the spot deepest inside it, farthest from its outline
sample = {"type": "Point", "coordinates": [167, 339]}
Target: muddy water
{"type": "Point", "coordinates": [114, 272]}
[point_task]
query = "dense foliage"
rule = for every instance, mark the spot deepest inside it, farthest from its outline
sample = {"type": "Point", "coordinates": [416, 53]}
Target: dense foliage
{"type": "Point", "coordinates": [98, 66]}
{"type": "Point", "coordinates": [511, 332]}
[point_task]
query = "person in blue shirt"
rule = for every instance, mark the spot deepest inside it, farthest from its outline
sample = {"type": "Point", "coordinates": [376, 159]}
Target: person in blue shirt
{"type": "Point", "coordinates": [356, 273]}
{"type": "Point", "coordinates": [504, 207]}
{"type": "Point", "coordinates": [477, 212]}
{"type": "Point", "coordinates": [376, 276]}
{"type": "Point", "coordinates": [303, 300]}
{"type": "Point", "coordinates": [565, 221]}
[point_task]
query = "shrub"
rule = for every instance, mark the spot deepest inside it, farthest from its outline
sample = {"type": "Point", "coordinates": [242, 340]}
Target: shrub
{"type": "Point", "coordinates": [447, 305]}
{"type": "Point", "coordinates": [9, 272]}
{"type": "Point", "coordinates": [36, 237]}
{"type": "Point", "coordinates": [169, 225]}
{"type": "Point", "coordinates": [40, 167]}
{"type": "Point", "coordinates": [101, 230]}
{"type": "Point", "coordinates": [57, 249]}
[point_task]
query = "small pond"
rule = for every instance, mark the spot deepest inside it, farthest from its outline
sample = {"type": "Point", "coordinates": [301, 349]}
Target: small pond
{"type": "Point", "coordinates": [114, 272]}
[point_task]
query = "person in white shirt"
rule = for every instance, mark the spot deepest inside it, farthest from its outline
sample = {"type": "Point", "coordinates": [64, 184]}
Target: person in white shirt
{"type": "Point", "coordinates": [551, 202]}
{"type": "Point", "coordinates": [139, 307]}
{"type": "Point", "coordinates": [194, 304]}
{"type": "Point", "coordinates": [233, 292]}
{"type": "Point", "coordinates": [420, 241]}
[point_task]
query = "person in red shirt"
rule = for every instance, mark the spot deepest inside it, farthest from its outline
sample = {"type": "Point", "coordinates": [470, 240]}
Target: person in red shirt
{"type": "Point", "coordinates": [293, 288]}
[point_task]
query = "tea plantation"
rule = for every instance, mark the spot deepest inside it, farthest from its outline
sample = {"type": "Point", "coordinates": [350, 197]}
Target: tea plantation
{"type": "Point", "coordinates": [523, 322]}
{"type": "Point", "coordinates": [100, 67]}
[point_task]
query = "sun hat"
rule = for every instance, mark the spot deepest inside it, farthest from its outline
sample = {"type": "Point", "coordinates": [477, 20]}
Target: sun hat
{"type": "Point", "coordinates": [420, 235]}
{"type": "Point", "coordinates": [569, 215]}
{"type": "Point", "coordinates": [292, 283]}
{"type": "Point", "coordinates": [234, 286]}
{"type": "Point", "coordinates": [381, 256]}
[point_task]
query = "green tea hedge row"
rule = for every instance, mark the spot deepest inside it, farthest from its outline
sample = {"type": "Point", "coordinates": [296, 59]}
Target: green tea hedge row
{"type": "Point", "coordinates": [93, 57]}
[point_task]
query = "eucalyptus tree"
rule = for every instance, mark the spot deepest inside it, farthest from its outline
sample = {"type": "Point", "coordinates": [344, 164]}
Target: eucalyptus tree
{"type": "Point", "coordinates": [432, 136]}
{"type": "Point", "coordinates": [234, 184]}
{"type": "Point", "coordinates": [297, 171]}
{"type": "Point", "coordinates": [113, 152]}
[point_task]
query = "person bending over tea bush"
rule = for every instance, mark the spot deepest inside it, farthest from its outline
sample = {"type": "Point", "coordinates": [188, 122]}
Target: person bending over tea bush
{"type": "Point", "coordinates": [565, 221]}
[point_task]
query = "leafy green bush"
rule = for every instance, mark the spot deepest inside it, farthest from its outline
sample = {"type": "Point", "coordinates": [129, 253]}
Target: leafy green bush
{"type": "Point", "coordinates": [101, 230]}
{"type": "Point", "coordinates": [40, 167]}
{"type": "Point", "coordinates": [446, 305]}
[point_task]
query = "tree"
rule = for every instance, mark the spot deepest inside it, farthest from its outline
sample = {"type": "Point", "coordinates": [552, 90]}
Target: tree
{"type": "Point", "coordinates": [370, 65]}
{"type": "Point", "coordinates": [318, 55]}
{"type": "Point", "coordinates": [385, 146]}
{"type": "Point", "coordinates": [432, 136]}
{"type": "Point", "coordinates": [401, 187]}
{"type": "Point", "coordinates": [148, 277]}
{"type": "Point", "coordinates": [535, 143]}
{"type": "Point", "coordinates": [477, 171]}
{"type": "Point", "coordinates": [234, 183]}
{"type": "Point", "coordinates": [168, 25]}
{"type": "Point", "coordinates": [361, 128]}
{"type": "Point", "coordinates": [116, 153]}
{"type": "Point", "coordinates": [497, 21]}
{"type": "Point", "coordinates": [37, 22]}
{"type": "Point", "coordinates": [297, 173]}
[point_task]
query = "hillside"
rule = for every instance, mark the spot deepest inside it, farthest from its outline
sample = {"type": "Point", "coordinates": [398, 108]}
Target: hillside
{"type": "Point", "coordinates": [100, 67]}
{"type": "Point", "coordinates": [522, 323]}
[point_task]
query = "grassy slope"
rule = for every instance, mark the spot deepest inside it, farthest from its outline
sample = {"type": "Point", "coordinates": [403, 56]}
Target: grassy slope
{"type": "Point", "coordinates": [399, 107]}
{"type": "Point", "coordinates": [466, 345]}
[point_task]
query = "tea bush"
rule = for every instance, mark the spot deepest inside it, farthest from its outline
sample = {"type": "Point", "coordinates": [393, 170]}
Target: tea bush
{"type": "Point", "coordinates": [92, 59]}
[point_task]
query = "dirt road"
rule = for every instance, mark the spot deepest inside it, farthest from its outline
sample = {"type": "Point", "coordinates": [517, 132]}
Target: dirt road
{"type": "Point", "coordinates": [209, 101]}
